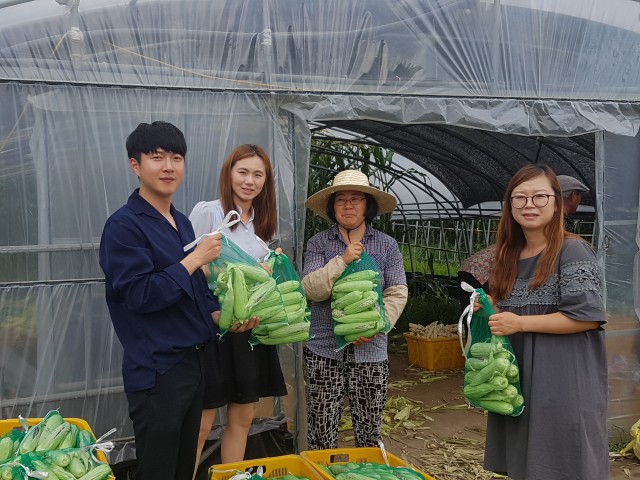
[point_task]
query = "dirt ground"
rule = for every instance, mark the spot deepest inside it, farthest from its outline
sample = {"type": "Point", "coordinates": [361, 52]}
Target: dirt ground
{"type": "Point", "coordinates": [441, 436]}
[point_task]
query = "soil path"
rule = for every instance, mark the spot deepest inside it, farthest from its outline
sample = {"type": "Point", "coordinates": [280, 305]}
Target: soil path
{"type": "Point", "coordinates": [440, 435]}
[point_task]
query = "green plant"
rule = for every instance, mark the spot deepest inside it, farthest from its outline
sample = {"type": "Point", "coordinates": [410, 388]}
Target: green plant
{"type": "Point", "coordinates": [330, 155]}
{"type": "Point", "coordinates": [426, 309]}
{"type": "Point", "coordinates": [426, 285]}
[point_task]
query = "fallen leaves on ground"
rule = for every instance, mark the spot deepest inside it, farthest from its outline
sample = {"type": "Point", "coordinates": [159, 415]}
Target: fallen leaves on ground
{"type": "Point", "coordinates": [452, 459]}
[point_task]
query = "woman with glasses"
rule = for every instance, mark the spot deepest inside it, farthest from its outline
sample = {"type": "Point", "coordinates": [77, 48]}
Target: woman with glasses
{"type": "Point", "coordinates": [548, 292]}
{"type": "Point", "coordinates": [361, 368]}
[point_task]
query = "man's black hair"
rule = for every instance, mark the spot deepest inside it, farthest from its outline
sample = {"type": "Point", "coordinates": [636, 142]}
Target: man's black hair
{"type": "Point", "coordinates": [369, 214]}
{"type": "Point", "coordinates": [148, 138]}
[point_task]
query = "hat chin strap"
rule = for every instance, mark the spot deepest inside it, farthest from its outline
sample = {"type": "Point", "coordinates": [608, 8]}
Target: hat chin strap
{"type": "Point", "coordinates": [349, 230]}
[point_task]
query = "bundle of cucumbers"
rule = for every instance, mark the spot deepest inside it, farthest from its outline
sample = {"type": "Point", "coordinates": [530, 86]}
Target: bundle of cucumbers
{"type": "Point", "coordinates": [297, 326]}
{"type": "Point", "coordinates": [355, 306]}
{"type": "Point", "coordinates": [53, 446]}
{"type": "Point", "coordinates": [370, 470]}
{"type": "Point", "coordinates": [246, 291]}
{"type": "Point", "coordinates": [295, 305]}
{"type": "Point", "coordinates": [492, 378]}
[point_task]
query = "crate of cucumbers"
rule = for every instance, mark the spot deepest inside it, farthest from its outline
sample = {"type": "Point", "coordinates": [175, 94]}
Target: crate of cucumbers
{"type": "Point", "coordinates": [53, 446]}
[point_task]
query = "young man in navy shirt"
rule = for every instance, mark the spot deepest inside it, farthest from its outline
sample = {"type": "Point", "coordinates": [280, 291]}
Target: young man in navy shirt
{"type": "Point", "coordinates": [160, 306]}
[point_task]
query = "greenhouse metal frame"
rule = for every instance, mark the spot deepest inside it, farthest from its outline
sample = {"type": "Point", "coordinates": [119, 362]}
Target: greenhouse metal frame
{"type": "Point", "coordinates": [439, 80]}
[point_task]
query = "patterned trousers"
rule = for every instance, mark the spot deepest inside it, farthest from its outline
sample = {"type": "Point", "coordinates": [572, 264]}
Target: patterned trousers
{"type": "Point", "coordinates": [327, 383]}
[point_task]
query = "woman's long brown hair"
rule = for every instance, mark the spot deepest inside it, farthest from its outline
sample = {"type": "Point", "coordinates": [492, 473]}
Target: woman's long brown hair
{"type": "Point", "coordinates": [511, 240]}
{"type": "Point", "coordinates": [264, 205]}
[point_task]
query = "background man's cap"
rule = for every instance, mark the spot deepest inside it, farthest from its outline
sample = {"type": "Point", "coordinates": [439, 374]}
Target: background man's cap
{"type": "Point", "coordinates": [570, 184]}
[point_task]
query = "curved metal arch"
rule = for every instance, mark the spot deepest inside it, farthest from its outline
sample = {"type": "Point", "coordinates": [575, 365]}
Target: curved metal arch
{"type": "Point", "coordinates": [443, 204]}
{"type": "Point", "coordinates": [467, 163]}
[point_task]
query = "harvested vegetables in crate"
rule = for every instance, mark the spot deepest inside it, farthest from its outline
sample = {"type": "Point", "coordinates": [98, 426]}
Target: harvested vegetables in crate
{"type": "Point", "coordinates": [433, 330]}
{"type": "Point", "coordinates": [326, 460]}
{"type": "Point", "coordinates": [284, 467]}
{"type": "Point", "coordinates": [634, 444]}
{"type": "Point", "coordinates": [370, 470]}
{"type": "Point", "coordinates": [258, 476]}
{"type": "Point", "coordinates": [53, 447]}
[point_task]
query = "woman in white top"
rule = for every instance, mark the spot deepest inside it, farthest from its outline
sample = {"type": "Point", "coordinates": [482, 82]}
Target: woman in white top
{"type": "Point", "coordinates": [246, 185]}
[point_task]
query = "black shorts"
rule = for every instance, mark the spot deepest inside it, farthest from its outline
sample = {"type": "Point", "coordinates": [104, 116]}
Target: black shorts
{"type": "Point", "coordinates": [250, 373]}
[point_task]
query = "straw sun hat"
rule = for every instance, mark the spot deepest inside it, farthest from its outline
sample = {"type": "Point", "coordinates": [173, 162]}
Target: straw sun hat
{"type": "Point", "coordinates": [350, 180]}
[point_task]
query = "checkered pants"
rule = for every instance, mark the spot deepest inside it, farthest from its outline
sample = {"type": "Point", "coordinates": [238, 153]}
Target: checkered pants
{"type": "Point", "coordinates": [327, 382]}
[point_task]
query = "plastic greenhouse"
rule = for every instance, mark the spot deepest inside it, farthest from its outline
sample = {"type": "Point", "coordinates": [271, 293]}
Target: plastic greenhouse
{"type": "Point", "coordinates": [474, 79]}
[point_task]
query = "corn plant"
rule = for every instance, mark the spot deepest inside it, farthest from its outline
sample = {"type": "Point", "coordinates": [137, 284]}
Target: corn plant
{"type": "Point", "coordinates": [330, 155]}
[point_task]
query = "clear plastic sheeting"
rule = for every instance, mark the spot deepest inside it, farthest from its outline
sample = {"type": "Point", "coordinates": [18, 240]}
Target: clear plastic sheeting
{"type": "Point", "coordinates": [619, 210]}
{"type": "Point", "coordinates": [77, 76]}
{"type": "Point", "coordinates": [58, 352]}
{"type": "Point", "coordinates": [467, 48]}
{"type": "Point", "coordinates": [505, 115]}
{"type": "Point", "coordinates": [63, 171]}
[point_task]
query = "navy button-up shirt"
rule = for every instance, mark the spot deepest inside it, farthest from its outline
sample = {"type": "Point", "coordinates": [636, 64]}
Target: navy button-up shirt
{"type": "Point", "coordinates": [158, 310]}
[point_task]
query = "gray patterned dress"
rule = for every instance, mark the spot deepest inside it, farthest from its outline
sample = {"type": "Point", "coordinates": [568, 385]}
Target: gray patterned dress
{"type": "Point", "coordinates": [562, 432]}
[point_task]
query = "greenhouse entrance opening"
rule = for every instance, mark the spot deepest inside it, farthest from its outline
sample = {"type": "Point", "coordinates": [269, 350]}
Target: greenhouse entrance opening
{"type": "Point", "coordinates": [449, 182]}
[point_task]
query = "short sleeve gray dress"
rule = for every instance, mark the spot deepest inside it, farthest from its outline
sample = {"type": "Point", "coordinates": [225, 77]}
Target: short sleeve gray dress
{"type": "Point", "coordinates": [562, 432]}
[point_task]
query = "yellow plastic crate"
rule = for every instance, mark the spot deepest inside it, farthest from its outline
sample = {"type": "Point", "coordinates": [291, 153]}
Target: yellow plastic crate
{"type": "Point", "coordinates": [434, 354]}
{"type": "Point", "coordinates": [326, 458]}
{"type": "Point", "coordinates": [11, 423]}
{"type": "Point", "coordinates": [272, 467]}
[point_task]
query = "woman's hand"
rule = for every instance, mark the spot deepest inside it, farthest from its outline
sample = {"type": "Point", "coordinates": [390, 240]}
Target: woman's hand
{"type": "Point", "coordinates": [245, 326]}
{"type": "Point", "coordinates": [266, 267]}
{"type": "Point", "coordinates": [477, 306]}
{"type": "Point", "coordinates": [365, 340]}
{"type": "Point", "coordinates": [505, 323]}
{"type": "Point", "coordinates": [353, 252]}
{"type": "Point", "coordinates": [215, 316]}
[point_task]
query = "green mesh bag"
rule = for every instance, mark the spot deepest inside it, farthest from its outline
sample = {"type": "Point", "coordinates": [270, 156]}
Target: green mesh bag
{"type": "Point", "coordinates": [296, 325]}
{"type": "Point", "coordinates": [242, 285]}
{"type": "Point", "coordinates": [357, 308]}
{"type": "Point", "coordinates": [492, 378]}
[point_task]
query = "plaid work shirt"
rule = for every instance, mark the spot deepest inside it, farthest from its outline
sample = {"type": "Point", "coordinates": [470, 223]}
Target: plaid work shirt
{"type": "Point", "coordinates": [322, 249]}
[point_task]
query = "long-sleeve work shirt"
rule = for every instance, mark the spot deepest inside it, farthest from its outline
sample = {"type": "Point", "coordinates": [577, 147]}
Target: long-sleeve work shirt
{"type": "Point", "coordinates": [323, 265]}
{"type": "Point", "coordinates": [158, 310]}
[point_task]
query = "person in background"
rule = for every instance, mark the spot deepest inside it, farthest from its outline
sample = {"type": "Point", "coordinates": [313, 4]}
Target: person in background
{"type": "Point", "coordinates": [160, 306]}
{"type": "Point", "coordinates": [547, 288]}
{"type": "Point", "coordinates": [361, 368]}
{"type": "Point", "coordinates": [475, 271]}
{"type": "Point", "coordinates": [247, 185]}
{"type": "Point", "coordinates": [572, 191]}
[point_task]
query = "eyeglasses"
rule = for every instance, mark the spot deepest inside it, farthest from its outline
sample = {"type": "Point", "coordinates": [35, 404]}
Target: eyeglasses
{"type": "Point", "coordinates": [539, 200]}
{"type": "Point", "coordinates": [354, 201]}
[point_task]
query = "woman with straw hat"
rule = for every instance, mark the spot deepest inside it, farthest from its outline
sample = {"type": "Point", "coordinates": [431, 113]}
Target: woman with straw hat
{"type": "Point", "coordinates": [361, 368]}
